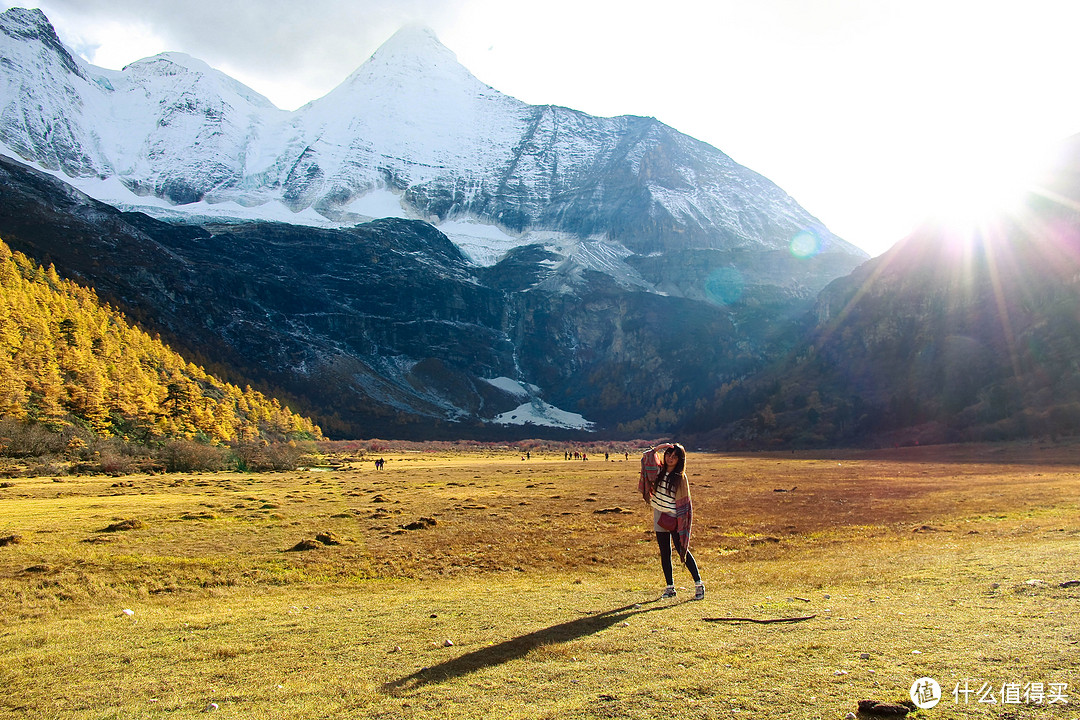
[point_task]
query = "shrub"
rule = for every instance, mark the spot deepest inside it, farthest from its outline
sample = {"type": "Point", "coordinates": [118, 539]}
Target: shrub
{"type": "Point", "coordinates": [125, 525]}
{"type": "Point", "coordinates": [45, 468]}
{"type": "Point", "coordinates": [19, 438]}
{"type": "Point", "coordinates": [117, 464]}
{"type": "Point", "coordinates": [264, 457]}
{"type": "Point", "coordinates": [191, 456]}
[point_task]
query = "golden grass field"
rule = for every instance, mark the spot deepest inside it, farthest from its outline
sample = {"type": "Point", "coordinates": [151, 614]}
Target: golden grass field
{"type": "Point", "coordinates": [529, 589]}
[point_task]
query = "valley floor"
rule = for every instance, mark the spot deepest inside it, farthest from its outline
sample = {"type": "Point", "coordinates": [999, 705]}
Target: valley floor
{"type": "Point", "coordinates": [484, 585]}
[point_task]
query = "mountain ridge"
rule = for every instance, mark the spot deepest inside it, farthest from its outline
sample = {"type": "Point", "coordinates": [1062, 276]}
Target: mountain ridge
{"type": "Point", "coordinates": [450, 146]}
{"type": "Point", "coordinates": [953, 335]}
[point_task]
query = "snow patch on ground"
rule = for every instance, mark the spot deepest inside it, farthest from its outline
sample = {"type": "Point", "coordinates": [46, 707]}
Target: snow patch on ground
{"type": "Point", "coordinates": [539, 412]}
{"type": "Point", "coordinates": [535, 411]}
{"type": "Point", "coordinates": [513, 387]}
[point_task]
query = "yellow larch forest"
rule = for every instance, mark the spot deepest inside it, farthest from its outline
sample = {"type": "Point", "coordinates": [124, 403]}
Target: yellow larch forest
{"type": "Point", "coordinates": [65, 358]}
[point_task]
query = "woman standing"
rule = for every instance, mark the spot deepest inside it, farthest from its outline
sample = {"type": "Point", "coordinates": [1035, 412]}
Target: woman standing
{"type": "Point", "coordinates": [664, 486]}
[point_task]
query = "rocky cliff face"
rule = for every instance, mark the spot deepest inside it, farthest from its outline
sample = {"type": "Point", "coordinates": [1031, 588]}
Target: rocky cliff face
{"type": "Point", "coordinates": [386, 328]}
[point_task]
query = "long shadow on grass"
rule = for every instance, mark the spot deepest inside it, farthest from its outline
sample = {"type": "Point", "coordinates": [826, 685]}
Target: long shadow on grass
{"type": "Point", "coordinates": [518, 647]}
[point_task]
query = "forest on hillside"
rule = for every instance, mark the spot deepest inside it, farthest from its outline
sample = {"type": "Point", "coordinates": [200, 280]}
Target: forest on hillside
{"type": "Point", "coordinates": [69, 362]}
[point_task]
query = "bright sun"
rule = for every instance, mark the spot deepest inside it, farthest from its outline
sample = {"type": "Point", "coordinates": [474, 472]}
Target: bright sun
{"type": "Point", "coordinates": [971, 191]}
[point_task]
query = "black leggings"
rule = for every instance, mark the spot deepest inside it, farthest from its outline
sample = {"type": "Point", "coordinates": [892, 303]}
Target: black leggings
{"type": "Point", "coordinates": [664, 540]}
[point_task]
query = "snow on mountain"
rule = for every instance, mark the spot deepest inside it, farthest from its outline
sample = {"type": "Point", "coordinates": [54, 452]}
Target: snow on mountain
{"type": "Point", "coordinates": [45, 93]}
{"type": "Point", "coordinates": [411, 119]}
{"type": "Point", "coordinates": [377, 204]}
{"type": "Point", "coordinates": [544, 414]}
{"type": "Point", "coordinates": [411, 132]}
{"type": "Point", "coordinates": [535, 411]}
{"type": "Point", "coordinates": [482, 243]}
{"type": "Point", "coordinates": [414, 109]}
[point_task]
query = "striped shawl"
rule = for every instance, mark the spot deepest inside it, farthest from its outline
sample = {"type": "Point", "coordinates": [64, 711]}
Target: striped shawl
{"type": "Point", "coordinates": [651, 463]}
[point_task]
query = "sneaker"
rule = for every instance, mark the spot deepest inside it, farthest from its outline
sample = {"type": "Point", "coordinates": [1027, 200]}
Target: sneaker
{"type": "Point", "coordinates": [669, 592]}
{"type": "Point", "coordinates": [699, 591]}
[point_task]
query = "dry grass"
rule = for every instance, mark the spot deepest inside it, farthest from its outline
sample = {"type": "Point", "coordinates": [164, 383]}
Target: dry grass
{"type": "Point", "coordinates": [914, 562]}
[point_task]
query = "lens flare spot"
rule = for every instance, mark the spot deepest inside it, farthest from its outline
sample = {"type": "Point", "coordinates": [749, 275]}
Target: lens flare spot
{"type": "Point", "coordinates": [806, 244]}
{"type": "Point", "coordinates": [725, 286]}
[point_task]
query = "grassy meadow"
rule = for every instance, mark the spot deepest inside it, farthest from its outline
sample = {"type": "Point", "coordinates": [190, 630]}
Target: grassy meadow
{"type": "Point", "coordinates": [481, 585]}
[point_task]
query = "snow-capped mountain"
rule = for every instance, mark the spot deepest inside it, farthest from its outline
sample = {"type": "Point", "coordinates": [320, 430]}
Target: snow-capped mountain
{"type": "Point", "coordinates": [410, 133]}
{"type": "Point", "coordinates": [582, 272]}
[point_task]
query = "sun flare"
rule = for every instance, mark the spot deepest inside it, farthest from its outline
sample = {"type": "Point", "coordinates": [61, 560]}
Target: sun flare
{"type": "Point", "coordinates": [973, 191]}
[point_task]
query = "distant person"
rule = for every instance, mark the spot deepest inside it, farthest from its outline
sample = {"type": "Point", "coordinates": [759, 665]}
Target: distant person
{"type": "Point", "coordinates": [664, 486]}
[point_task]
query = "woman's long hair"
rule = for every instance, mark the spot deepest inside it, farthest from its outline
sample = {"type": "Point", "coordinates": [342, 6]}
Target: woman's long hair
{"type": "Point", "coordinates": [670, 478]}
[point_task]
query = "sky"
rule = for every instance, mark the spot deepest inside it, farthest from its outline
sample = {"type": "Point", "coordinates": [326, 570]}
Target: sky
{"type": "Point", "coordinates": [873, 114]}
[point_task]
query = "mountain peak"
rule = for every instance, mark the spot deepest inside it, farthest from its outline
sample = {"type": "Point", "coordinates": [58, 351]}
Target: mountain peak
{"type": "Point", "coordinates": [177, 63]}
{"type": "Point", "coordinates": [414, 42]}
{"type": "Point", "coordinates": [411, 63]}
{"type": "Point", "coordinates": [178, 59]}
{"type": "Point", "coordinates": [23, 24]}
{"type": "Point", "coordinates": [414, 52]}
{"type": "Point", "coordinates": [18, 17]}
